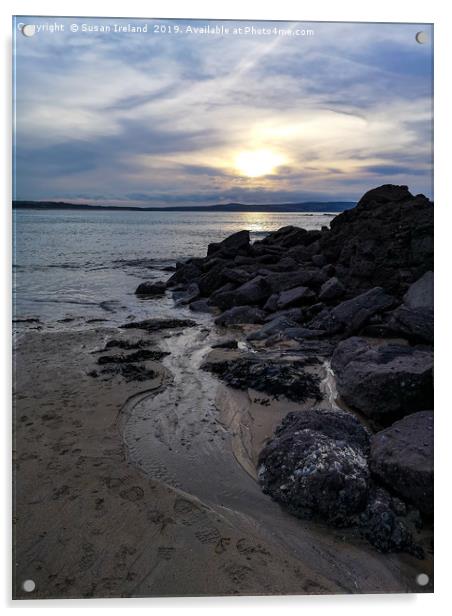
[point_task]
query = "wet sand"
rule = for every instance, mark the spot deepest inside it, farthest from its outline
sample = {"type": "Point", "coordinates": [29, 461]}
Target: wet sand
{"type": "Point", "coordinates": [147, 489]}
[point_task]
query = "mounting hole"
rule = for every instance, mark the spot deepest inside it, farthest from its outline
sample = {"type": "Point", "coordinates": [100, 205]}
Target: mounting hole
{"type": "Point", "coordinates": [29, 585]}
{"type": "Point", "coordinates": [421, 37]}
{"type": "Point", "coordinates": [422, 579]}
{"type": "Point", "coordinates": [29, 30]}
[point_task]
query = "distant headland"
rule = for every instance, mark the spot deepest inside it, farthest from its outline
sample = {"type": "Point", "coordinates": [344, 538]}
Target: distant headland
{"type": "Point", "coordinates": [308, 206]}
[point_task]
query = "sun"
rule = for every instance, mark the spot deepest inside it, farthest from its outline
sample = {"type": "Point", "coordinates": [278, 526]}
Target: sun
{"type": "Point", "coordinates": [256, 163]}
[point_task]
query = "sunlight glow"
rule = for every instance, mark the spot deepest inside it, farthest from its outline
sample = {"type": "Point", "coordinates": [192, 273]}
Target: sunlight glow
{"type": "Point", "coordinates": [256, 163]}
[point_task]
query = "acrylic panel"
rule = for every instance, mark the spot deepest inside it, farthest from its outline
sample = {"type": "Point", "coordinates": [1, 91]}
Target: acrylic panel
{"type": "Point", "coordinates": [223, 307]}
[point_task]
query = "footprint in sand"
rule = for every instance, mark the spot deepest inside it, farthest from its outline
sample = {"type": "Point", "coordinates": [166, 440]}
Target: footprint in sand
{"type": "Point", "coordinates": [135, 493]}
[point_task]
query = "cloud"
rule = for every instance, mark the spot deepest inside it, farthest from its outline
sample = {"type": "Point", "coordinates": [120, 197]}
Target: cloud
{"type": "Point", "coordinates": [164, 117]}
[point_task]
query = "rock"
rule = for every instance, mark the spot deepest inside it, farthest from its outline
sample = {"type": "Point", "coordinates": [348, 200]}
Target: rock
{"type": "Point", "coordinates": [316, 466]}
{"type": "Point", "coordinates": [402, 459]}
{"type": "Point", "coordinates": [150, 289]}
{"type": "Point", "coordinates": [201, 305]}
{"type": "Point", "coordinates": [297, 296]}
{"type": "Point", "coordinates": [240, 314]}
{"type": "Point", "coordinates": [420, 293]}
{"type": "Point", "coordinates": [131, 358]}
{"type": "Point", "coordinates": [363, 306]}
{"type": "Point", "coordinates": [185, 273]}
{"type": "Point", "coordinates": [381, 524]}
{"type": "Point", "coordinates": [283, 281]}
{"type": "Point", "coordinates": [331, 289]}
{"type": "Point", "coordinates": [271, 305]}
{"type": "Point", "coordinates": [186, 295]}
{"type": "Point", "coordinates": [414, 325]}
{"type": "Point", "coordinates": [254, 292]}
{"type": "Point", "coordinates": [152, 325]}
{"type": "Point", "coordinates": [275, 378]}
{"type": "Point", "coordinates": [384, 382]}
{"type": "Point", "coordinates": [293, 314]}
{"type": "Point", "coordinates": [213, 279]}
{"type": "Point", "coordinates": [227, 344]}
{"type": "Point", "coordinates": [275, 326]}
{"type": "Point", "coordinates": [386, 241]}
{"type": "Point", "coordinates": [234, 243]}
{"type": "Point", "coordinates": [318, 260]}
{"type": "Point", "coordinates": [236, 275]}
{"type": "Point", "coordinates": [352, 314]}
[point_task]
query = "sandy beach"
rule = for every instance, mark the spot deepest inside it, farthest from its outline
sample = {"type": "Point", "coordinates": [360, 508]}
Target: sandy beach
{"type": "Point", "coordinates": [98, 516]}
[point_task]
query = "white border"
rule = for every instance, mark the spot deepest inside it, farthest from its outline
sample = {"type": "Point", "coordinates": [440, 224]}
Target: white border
{"type": "Point", "coordinates": [330, 10]}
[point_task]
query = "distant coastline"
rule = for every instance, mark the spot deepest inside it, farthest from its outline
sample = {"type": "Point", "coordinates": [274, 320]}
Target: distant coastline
{"type": "Point", "coordinates": [308, 206]}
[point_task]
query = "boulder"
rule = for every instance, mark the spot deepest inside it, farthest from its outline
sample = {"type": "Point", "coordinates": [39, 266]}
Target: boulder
{"type": "Point", "coordinates": [386, 241]}
{"type": "Point", "coordinates": [363, 306]}
{"type": "Point", "coordinates": [420, 293]}
{"type": "Point", "coordinates": [184, 274]}
{"type": "Point", "coordinates": [297, 296]}
{"type": "Point", "coordinates": [331, 289]}
{"type": "Point", "coordinates": [276, 326]}
{"type": "Point", "coordinates": [235, 243]}
{"type": "Point", "coordinates": [253, 292]}
{"type": "Point", "coordinates": [239, 315]}
{"type": "Point", "coordinates": [402, 459]}
{"type": "Point", "coordinates": [236, 275]}
{"type": "Point", "coordinates": [187, 294]}
{"type": "Point", "coordinates": [282, 281]}
{"type": "Point", "coordinates": [149, 289]}
{"type": "Point", "coordinates": [416, 325]}
{"type": "Point", "coordinates": [316, 466]}
{"type": "Point", "coordinates": [383, 382]}
{"type": "Point", "coordinates": [201, 305]}
{"type": "Point", "coordinates": [384, 525]}
{"type": "Point", "coordinates": [352, 314]}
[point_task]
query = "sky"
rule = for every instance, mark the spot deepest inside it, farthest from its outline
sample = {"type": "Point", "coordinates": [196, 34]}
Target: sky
{"type": "Point", "coordinates": [189, 118]}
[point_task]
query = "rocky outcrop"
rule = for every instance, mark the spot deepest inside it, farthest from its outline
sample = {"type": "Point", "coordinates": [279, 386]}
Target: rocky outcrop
{"type": "Point", "coordinates": [363, 288]}
{"type": "Point", "coordinates": [150, 289]}
{"type": "Point", "coordinates": [275, 378]}
{"type": "Point", "coordinates": [402, 459]}
{"type": "Point", "coordinates": [240, 314]}
{"type": "Point", "coordinates": [317, 466]}
{"type": "Point", "coordinates": [383, 382]}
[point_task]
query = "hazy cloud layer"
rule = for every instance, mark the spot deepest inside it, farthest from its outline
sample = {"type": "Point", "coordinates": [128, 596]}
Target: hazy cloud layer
{"type": "Point", "coordinates": [161, 119]}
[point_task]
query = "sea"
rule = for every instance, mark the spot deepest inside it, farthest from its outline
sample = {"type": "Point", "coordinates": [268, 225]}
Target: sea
{"type": "Point", "coordinates": [75, 268]}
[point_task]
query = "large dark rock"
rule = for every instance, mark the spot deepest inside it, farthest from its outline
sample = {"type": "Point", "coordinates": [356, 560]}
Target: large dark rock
{"type": "Point", "coordinates": [402, 459]}
{"type": "Point", "coordinates": [383, 382]}
{"type": "Point", "coordinates": [254, 292]}
{"type": "Point", "coordinates": [185, 273]}
{"type": "Point", "coordinates": [234, 244]}
{"type": "Point", "coordinates": [240, 315]}
{"type": "Point", "coordinates": [278, 325]}
{"type": "Point", "coordinates": [420, 293]}
{"type": "Point", "coordinates": [331, 289]}
{"type": "Point", "coordinates": [297, 296]}
{"type": "Point", "coordinates": [149, 289]}
{"type": "Point", "coordinates": [316, 465]}
{"type": "Point", "coordinates": [187, 294]}
{"type": "Point", "coordinates": [352, 314]}
{"type": "Point", "coordinates": [386, 240]}
{"type": "Point", "coordinates": [414, 325]}
{"type": "Point", "coordinates": [282, 281]}
{"type": "Point", "coordinates": [384, 525]}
